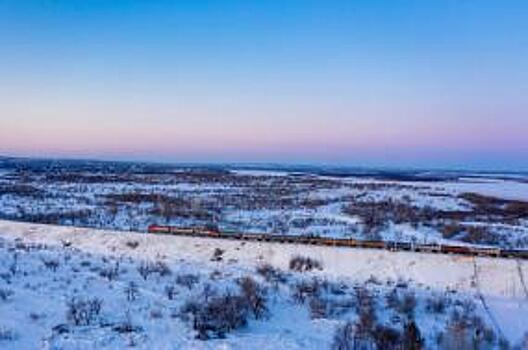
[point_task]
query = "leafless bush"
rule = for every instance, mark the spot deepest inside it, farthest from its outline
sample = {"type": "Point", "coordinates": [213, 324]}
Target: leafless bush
{"type": "Point", "coordinates": [271, 274]}
{"type": "Point", "coordinates": [412, 337]}
{"type": "Point", "coordinates": [51, 264]}
{"type": "Point", "coordinates": [218, 254]}
{"type": "Point", "coordinates": [386, 337]}
{"type": "Point", "coordinates": [171, 291]}
{"type": "Point", "coordinates": [187, 280]}
{"type": "Point", "coordinates": [132, 244]}
{"type": "Point", "coordinates": [110, 272]}
{"type": "Point", "coordinates": [255, 296]}
{"type": "Point", "coordinates": [83, 312]}
{"type": "Point", "coordinates": [6, 294]}
{"type": "Point", "coordinates": [319, 307]}
{"type": "Point", "coordinates": [156, 314]}
{"type": "Point", "coordinates": [132, 291]}
{"type": "Point", "coordinates": [345, 338]}
{"type": "Point", "coordinates": [353, 336]}
{"type": "Point", "coordinates": [146, 268]}
{"type": "Point", "coordinates": [218, 316]}
{"type": "Point", "coordinates": [404, 302]}
{"type": "Point", "coordinates": [465, 330]}
{"type": "Point", "coordinates": [437, 304]}
{"type": "Point", "coordinates": [304, 289]}
{"type": "Point", "coordinates": [302, 264]}
{"type": "Point", "coordinates": [366, 310]}
{"type": "Point", "coordinates": [6, 334]}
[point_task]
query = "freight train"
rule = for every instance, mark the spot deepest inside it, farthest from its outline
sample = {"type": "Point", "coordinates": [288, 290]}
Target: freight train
{"type": "Point", "coordinates": [343, 242]}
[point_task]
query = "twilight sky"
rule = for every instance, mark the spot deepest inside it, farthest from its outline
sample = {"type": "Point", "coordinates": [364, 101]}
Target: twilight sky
{"type": "Point", "coordinates": [367, 82]}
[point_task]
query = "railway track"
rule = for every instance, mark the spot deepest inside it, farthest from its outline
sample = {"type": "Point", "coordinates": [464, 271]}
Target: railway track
{"type": "Point", "coordinates": [343, 242]}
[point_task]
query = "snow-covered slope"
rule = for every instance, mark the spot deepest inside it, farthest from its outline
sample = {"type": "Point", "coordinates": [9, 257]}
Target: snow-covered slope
{"type": "Point", "coordinates": [44, 267]}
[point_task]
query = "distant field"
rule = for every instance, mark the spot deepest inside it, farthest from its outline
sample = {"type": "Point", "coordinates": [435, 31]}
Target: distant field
{"type": "Point", "coordinates": [461, 208]}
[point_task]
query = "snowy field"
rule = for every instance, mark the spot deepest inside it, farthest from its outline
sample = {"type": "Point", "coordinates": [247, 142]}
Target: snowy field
{"type": "Point", "coordinates": [485, 209]}
{"type": "Point", "coordinates": [82, 288]}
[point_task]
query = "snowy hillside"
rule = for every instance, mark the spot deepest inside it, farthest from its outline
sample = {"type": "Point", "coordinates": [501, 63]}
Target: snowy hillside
{"type": "Point", "coordinates": [73, 288]}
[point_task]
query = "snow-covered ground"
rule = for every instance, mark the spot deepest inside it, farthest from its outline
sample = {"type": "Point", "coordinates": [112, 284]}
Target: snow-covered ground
{"type": "Point", "coordinates": [45, 269]}
{"type": "Point", "coordinates": [274, 202]}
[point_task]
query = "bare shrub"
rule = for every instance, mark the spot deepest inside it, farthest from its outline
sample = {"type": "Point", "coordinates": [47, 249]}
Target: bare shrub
{"type": "Point", "coordinates": [156, 314]}
{"type": "Point", "coordinates": [255, 296]}
{"type": "Point", "coordinates": [171, 291]}
{"type": "Point", "coordinates": [6, 294]}
{"type": "Point", "coordinates": [319, 307]}
{"type": "Point", "coordinates": [386, 338]}
{"type": "Point", "coordinates": [304, 289]}
{"type": "Point", "coordinates": [132, 244]}
{"type": "Point", "coordinates": [83, 312]}
{"type": "Point", "coordinates": [404, 303]}
{"type": "Point", "coordinates": [437, 304]}
{"type": "Point", "coordinates": [219, 316]}
{"type": "Point", "coordinates": [366, 310]}
{"type": "Point", "coordinates": [302, 264]}
{"type": "Point", "coordinates": [465, 330]}
{"type": "Point", "coordinates": [132, 291]}
{"type": "Point", "coordinates": [218, 254]}
{"type": "Point", "coordinates": [51, 264]}
{"type": "Point", "coordinates": [345, 338]}
{"type": "Point", "coordinates": [7, 334]}
{"type": "Point", "coordinates": [187, 280]}
{"type": "Point", "coordinates": [271, 274]}
{"type": "Point", "coordinates": [110, 272]}
{"type": "Point", "coordinates": [412, 338]}
{"type": "Point", "coordinates": [146, 268]}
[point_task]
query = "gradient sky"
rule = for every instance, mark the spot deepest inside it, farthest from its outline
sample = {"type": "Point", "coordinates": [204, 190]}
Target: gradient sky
{"type": "Point", "coordinates": [366, 83]}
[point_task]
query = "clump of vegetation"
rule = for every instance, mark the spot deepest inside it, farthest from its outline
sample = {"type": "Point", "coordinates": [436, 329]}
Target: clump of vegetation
{"type": "Point", "coordinates": [83, 312]}
{"type": "Point", "coordinates": [218, 254]}
{"type": "Point", "coordinates": [352, 336]}
{"type": "Point", "coordinates": [132, 244]}
{"type": "Point", "coordinates": [110, 272]}
{"type": "Point", "coordinates": [7, 334]}
{"type": "Point", "coordinates": [6, 294]}
{"type": "Point", "coordinates": [215, 316]}
{"type": "Point", "coordinates": [51, 264]}
{"type": "Point", "coordinates": [147, 268]}
{"type": "Point", "coordinates": [403, 303]}
{"type": "Point", "coordinates": [132, 291]}
{"type": "Point", "coordinates": [302, 264]}
{"type": "Point", "coordinates": [187, 280]}
{"type": "Point", "coordinates": [271, 274]}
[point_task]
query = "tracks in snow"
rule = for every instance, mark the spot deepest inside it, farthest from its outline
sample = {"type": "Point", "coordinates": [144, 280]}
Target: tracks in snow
{"type": "Point", "coordinates": [521, 277]}
{"type": "Point", "coordinates": [483, 300]}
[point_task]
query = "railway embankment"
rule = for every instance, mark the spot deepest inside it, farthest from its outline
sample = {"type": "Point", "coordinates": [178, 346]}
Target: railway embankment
{"type": "Point", "coordinates": [502, 278]}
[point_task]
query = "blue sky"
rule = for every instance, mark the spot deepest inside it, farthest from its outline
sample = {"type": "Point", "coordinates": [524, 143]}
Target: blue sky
{"type": "Point", "coordinates": [396, 83]}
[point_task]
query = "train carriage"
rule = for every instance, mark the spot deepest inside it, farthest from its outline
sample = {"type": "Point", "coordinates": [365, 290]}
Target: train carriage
{"type": "Point", "coordinates": [341, 242]}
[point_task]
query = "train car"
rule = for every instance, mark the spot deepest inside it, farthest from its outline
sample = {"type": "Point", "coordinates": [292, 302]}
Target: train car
{"type": "Point", "coordinates": [514, 253]}
{"type": "Point", "coordinates": [213, 232]}
{"type": "Point", "coordinates": [372, 244]}
{"type": "Point", "coordinates": [159, 229]}
{"type": "Point", "coordinates": [493, 252]}
{"type": "Point", "coordinates": [429, 248]}
{"type": "Point", "coordinates": [452, 249]}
